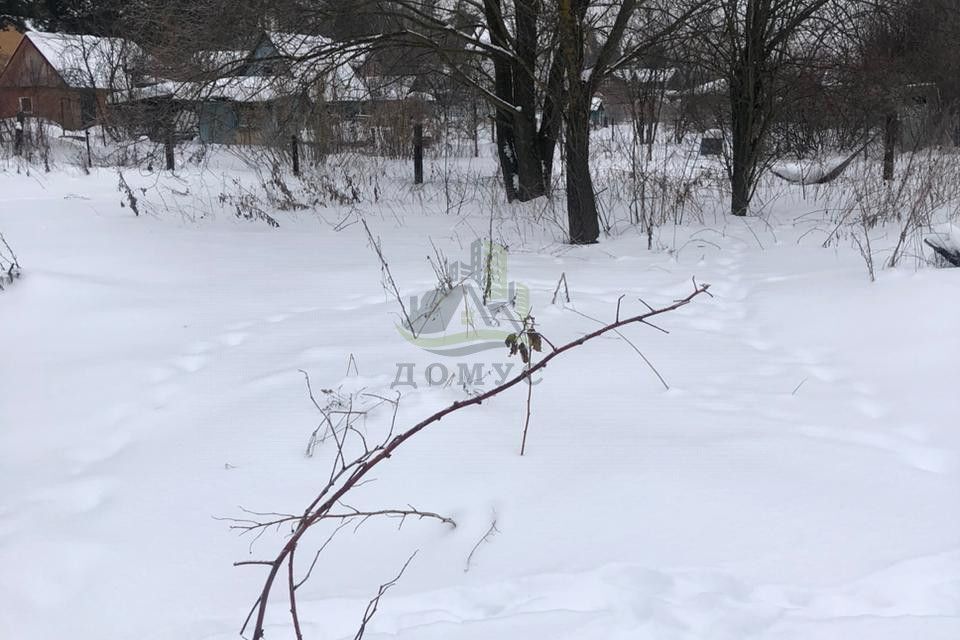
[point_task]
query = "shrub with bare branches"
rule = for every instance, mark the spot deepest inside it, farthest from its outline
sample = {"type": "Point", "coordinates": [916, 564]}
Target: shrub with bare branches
{"type": "Point", "coordinates": [9, 265]}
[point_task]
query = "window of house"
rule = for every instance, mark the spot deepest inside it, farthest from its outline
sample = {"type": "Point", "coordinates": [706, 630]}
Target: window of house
{"type": "Point", "coordinates": [26, 104]}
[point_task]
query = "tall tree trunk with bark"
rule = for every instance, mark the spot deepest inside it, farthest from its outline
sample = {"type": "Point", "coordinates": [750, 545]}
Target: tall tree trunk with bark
{"type": "Point", "coordinates": [581, 200]}
{"type": "Point", "coordinates": [749, 105]}
{"type": "Point", "coordinates": [744, 142]}
{"type": "Point", "coordinates": [551, 118]}
{"type": "Point", "coordinates": [529, 163]}
{"type": "Point", "coordinates": [518, 143]}
{"type": "Point", "coordinates": [582, 214]}
{"type": "Point", "coordinates": [504, 132]}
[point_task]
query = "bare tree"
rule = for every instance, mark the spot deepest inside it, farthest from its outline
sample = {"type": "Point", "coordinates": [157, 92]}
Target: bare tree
{"type": "Point", "coordinates": [755, 47]}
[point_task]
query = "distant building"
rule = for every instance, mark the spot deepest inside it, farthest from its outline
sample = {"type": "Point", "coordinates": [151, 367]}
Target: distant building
{"type": "Point", "coordinates": [259, 96]}
{"type": "Point", "coordinates": [64, 78]}
{"type": "Point", "coordinates": [637, 92]}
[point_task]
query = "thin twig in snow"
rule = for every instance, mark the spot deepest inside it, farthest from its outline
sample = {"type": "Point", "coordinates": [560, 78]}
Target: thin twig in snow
{"type": "Point", "coordinates": [492, 531]}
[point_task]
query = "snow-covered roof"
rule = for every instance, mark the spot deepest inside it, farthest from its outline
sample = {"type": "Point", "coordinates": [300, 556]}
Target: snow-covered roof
{"type": "Point", "coordinates": [236, 88]}
{"type": "Point", "coordinates": [647, 75]}
{"type": "Point", "coordinates": [158, 89]}
{"type": "Point", "coordinates": [86, 62]}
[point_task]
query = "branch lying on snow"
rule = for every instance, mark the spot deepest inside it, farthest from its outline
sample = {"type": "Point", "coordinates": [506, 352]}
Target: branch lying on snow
{"type": "Point", "coordinates": [822, 176]}
{"type": "Point", "coordinates": [349, 472]}
{"type": "Point", "coordinates": [246, 525]}
{"type": "Point", "coordinates": [946, 244]}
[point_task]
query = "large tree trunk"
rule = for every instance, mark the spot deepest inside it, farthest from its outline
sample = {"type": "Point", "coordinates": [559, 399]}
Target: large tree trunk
{"type": "Point", "coordinates": [503, 89]}
{"type": "Point", "coordinates": [581, 200]}
{"type": "Point", "coordinates": [748, 109]}
{"type": "Point", "coordinates": [740, 183]}
{"type": "Point", "coordinates": [515, 86]}
{"type": "Point", "coordinates": [743, 152]}
{"type": "Point", "coordinates": [551, 119]}
{"type": "Point", "coordinates": [742, 157]}
{"type": "Point", "coordinates": [529, 164]}
{"type": "Point", "coordinates": [518, 141]}
{"type": "Point", "coordinates": [504, 133]}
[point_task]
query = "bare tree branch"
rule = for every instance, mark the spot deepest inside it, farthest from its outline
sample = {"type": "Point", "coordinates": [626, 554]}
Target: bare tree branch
{"type": "Point", "coordinates": [350, 474]}
{"type": "Point", "coordinates": [375, 602]}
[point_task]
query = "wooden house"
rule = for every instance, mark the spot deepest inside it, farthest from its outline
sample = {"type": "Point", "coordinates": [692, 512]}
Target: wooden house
{"type": "Point", "coordinates": [64, 78]}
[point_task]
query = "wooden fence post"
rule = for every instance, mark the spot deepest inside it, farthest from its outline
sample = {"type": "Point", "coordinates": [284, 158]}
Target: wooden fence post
{"type": "Point", "coordinates": [89, 157]}
{"type": "Point", "coordinates": [168, 148]}
{"type": "Point", "coordinates": [891, 132]}
{"type": "Point", "coordinates": [295, 153]}
{"type": "Point", "coordinates": [418, 153]}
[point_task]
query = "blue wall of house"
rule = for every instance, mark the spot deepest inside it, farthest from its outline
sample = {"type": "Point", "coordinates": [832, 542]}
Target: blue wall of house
{"type": "Point", "coordinates": [218, 122]}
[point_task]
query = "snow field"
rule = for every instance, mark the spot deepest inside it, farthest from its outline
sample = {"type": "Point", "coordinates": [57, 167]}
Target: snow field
{"type": "Point", "coordinates": [799, 479]}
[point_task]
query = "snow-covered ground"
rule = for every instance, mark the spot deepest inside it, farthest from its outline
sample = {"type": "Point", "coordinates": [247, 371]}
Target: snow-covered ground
{"type": "Point", "coordinates": [800, 479]}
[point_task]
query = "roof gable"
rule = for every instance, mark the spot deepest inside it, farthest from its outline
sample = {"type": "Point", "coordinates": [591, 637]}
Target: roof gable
{"type": "Point", "coordinates": [27, 67]}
